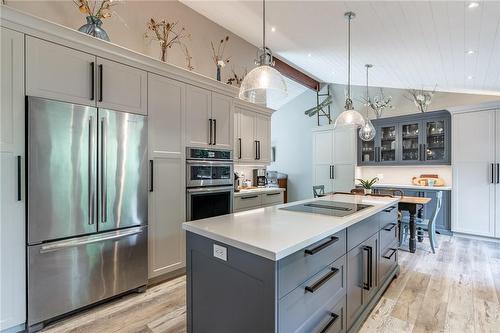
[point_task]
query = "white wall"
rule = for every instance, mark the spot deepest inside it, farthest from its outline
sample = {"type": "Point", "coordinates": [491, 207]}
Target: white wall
{"type": "Point", "coordinates": [291, 135]}
{"type": "Point", "coordinates": [127, 26]}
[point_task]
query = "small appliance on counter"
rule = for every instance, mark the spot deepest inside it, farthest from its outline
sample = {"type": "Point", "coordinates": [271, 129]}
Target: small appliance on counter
{"type": "Point", "coordinates": [428, 180]}
{"type": "Point", "coordinates": [259, 177]}
{"type": "Point", "coordinates": [236, 182]}
{"type": "Point", "coordinates": [278, 179]}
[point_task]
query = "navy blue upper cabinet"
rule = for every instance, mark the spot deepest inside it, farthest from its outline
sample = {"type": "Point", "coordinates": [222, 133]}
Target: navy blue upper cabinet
{"type": "Point", "coordinates": [416, 139]}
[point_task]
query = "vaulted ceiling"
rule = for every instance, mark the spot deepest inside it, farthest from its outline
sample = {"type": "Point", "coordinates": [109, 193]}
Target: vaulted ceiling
{"type": "Point", "coordinates": [412, 44]}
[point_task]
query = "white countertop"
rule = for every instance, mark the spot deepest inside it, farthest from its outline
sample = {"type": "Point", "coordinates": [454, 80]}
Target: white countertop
{"type": "Point", "coordinates": [274, 233]}
{"type": "Point", "coordinates": [416, 187]}
{"type": "Point", "coordinates": [259, 190]}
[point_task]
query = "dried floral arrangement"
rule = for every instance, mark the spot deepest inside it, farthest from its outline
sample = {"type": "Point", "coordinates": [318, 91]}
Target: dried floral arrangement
{"type": "Point", "coordinates": [421, 98]}
{"type": "Point", "coordinates": [168, 34]}
{"type": "Point", "coordinates": [235, 78]}
{"type": "Point", "coordinates": [379, 103]}
{"type": "Point", "coordinates": [99, 9]}
{"type": "Point", "coordinates": [218, 52]}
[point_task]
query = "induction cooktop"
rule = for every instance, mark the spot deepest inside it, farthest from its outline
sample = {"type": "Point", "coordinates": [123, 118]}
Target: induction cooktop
{"type": "Point", "coordinates": [327, 207]}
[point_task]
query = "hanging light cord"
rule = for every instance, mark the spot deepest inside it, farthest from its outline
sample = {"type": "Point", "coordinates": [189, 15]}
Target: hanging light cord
{"type": "Point", "coordinates": [264, 25]}
{"type": "Point", "coordinates": [349, 57]}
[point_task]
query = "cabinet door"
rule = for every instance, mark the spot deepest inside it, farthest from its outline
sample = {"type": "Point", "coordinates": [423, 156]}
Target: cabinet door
{"type": "Point", "coordinates": [436, 142]}
{"type": "Point", "coordinates": [473, 188]}
{"type": "Point", "coordinates": [12, 199]}
{"type": "Point", "coordinates": [387, 144]}
{"type": "Point", "coordinates": [410, 148]}
{"type": "Point", "coordinates": [263, 138]}
{"type": "Point", "coordinates": [322, 175]}
{"type": "Point", "coordinates": [497, 196]}
{"type": "Point", "coordinates": [343, 177]}
{"type": "Point", "coordinates": [166, 242]}
{"type": "Point", "coordinates": [121, 87]}
{"type": "Point", "coordinates": [247, 134]}
{"type": "Point", "coordinates": [222, 115]}
{"type": "Point", "coordinates": [355, 276]}
{"type": "Point", "coordinates": [323, 159]}
{"type": "Point", "coordinates": [366, 152]}
{"type": "Point", "coordinates": [198, 113]}
{"type": "Point", "coordinates": [371, 266]}
{"type": "Point", "coordinates": [344, 146]}
{"type": "Point", "coordinates": [59, 73]}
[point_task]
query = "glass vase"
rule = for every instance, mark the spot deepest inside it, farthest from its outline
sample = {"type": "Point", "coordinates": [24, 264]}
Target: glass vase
{"type": "Point", "coordinates": [93, 28]}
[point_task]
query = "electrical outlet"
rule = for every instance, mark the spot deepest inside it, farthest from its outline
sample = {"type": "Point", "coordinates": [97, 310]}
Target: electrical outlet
{"type": "Point", "coordinates": [220, 252]}
{"type": "Point", "coordinates": [380, 176]}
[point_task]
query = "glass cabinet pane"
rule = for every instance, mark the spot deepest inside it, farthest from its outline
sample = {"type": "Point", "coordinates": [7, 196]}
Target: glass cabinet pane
{"type": "Point", "coordinates": [435, 140]}
{"type": "Point", "coordinates": [367, 151]}
{"type": "Point", "coordinates": [409, 142]}
{"type": "Point", "coordinates": [387, 143]}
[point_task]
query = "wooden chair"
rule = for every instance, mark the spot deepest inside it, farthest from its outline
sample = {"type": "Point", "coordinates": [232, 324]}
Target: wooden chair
{"type": "Point", "coordinates": [424, 225]}
{"type": "Point", "coordinates": [390, 191]}
{"type": "Point", "coordinates": [319, 191]}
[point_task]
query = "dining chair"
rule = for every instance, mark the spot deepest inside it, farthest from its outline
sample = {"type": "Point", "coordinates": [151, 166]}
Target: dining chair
{"type": "Point", "coordinates": [318, 191]}
{"type": "Point", "coordinates": [423, 225]}
{"type": "Point", "coordinates": [390, 191]}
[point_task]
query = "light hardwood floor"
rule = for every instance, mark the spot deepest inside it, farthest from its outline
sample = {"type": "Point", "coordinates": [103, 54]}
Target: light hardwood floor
{"type": "Point", "coordinates": [456, 290]}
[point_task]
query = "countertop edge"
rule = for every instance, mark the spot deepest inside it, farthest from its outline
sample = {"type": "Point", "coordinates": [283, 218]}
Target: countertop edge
{"type": "Point", "coordinates": [416, 187]}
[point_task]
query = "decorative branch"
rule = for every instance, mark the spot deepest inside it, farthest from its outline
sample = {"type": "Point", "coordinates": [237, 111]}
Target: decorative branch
{"type": "Point", "coordinates": [421, 98]}
{"type": "Point", "coordinates": [218, 56]}
{"type": "Point", "coordinates": [237, 80]}
{"type": "Point", "coordinates": [88, 7]}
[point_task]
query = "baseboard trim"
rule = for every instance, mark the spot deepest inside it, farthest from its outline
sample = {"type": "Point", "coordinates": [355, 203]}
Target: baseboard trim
{"type": "Point", "coordinates": [476, 237]}
{"type": "Point", "coordinates": [14, 329]}
{"type": "Point", "coordinates": [166, 277]}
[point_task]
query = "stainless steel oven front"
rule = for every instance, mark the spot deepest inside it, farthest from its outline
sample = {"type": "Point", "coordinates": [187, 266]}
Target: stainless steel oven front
{"type": "Point", "coordinates": [208, 173]}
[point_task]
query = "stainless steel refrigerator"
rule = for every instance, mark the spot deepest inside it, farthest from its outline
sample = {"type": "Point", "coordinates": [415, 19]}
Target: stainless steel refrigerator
{"type": "Point", "coordinates": [87, 206]}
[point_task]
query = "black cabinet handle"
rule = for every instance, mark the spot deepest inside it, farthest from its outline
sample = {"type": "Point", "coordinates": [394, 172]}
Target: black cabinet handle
{"type": "Point", "coordinates": [215, 131]}
{"type": "Point", "coordinates": [369, 283]}
{"type": "Point", "coordinates": [251, 197]}
{"type": "Point", "coordinates": [330, 322]}
{"type": "Point", "coordinates": [256, 152]}
{"type": "Point", "coordinates": [333, 271]}
{"type": "Point", "coordinates": [151, 176]}
{"type": "Point", "coordinates": [492, 173]}
{"type": "Point", "coordinates": [390, 209]}
{"type": "Point", "coordinates": [19, 190]}
{"type": "Point", "coordinates": [100, 83]}
{"type": "Point", "coordinates": [270, 194]}
{"type": "Point", "coordinates": [258, 148]}
{"type": "Point", "coordinates": [239, 150]}
{"type": "Point", "coordinates": [92, 79]}
{"type": "Point", "coordinates": [210, 131]}
{"type": "Point", "coordinates": [322, 246]}
{"type": "Point", "coordinates": [393, 252]}
{"type": "Point", "coordinates": [333, 171]}
{"type": "Point", "coordinates": [389, 227]}
{"type": "Point", "coordinates": [498, 173]}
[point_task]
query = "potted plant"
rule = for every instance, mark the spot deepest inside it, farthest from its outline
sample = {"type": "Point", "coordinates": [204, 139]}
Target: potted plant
{"type": "Point", "coordinates": [367, 184]}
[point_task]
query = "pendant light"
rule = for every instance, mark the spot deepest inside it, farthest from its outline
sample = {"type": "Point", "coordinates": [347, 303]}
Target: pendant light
{"type": "Point", "coordinates": [367, 131]}
{"type": "Point", "coordinates": [349, 117]}
{"type": "Point", "coordinates": [263, 83]}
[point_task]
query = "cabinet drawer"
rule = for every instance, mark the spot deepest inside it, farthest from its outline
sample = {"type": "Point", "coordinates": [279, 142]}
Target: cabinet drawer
{"type": "Point", "coordinates": [308, 301]}
{"type": "Point", "coordinates": [361, 231]}
{"type": "Point", "coordinates": [272, 198]}
{"type": "Point", "coordinates": [388, 215]}
{"type": "Point", "coordinates": [387, 261]}
{"type": "Point", "coordinates": [388, 234]}
{"type": "Point", "coordinates": [300, 266]}
{"type": "Point", "coordinates": [330, 318]}
{"type": "Point", "coordinates": [247, 201]}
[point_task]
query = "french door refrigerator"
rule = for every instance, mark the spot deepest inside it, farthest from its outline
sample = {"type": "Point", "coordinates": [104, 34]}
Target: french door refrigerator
{"type": "Point", "coordinates": [87, 206]}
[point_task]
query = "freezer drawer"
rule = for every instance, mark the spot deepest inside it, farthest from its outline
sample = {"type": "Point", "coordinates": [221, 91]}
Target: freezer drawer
{"type": "Point", "coordinates": [66, 275]}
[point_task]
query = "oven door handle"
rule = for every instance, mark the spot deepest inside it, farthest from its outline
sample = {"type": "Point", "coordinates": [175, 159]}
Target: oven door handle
{"type": "Point", "coordinates": [210, 189]}
{"type": "Point", "coordinates": [218, 163]}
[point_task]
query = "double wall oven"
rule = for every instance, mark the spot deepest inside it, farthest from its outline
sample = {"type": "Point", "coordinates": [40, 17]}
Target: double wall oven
{"type": "Point", "coordinates": [209, 183]}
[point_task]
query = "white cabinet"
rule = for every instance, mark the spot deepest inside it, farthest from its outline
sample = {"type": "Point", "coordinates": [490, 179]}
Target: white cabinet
{"type": "Point", "coordinates": [166, 105]}
{"type": "Point", "coordinates": [64, 74]}
{"type": "Point", "coordinates": [12, 196]}
{"type": "Point", "coordinates": [57, 72]}
{"type": "Point", "coordinates": [252, 136]}
{"type": "Point", "coordinates": [121, 87]}
{"type": "Point", "coordinates": [475, 160]}
{"type": "Point", "coordinates": [209, 119]}
{"type": "Point", "coordinates": [334, 158]}
{"type": "Point", "coordinates": [257, 199]}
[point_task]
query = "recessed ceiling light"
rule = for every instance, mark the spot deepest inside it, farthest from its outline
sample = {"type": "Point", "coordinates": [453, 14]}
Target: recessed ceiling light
{"type": "Point", "coordinates": [470, 52]}
{"type": "Point", "coordinates": [273, 29]}
{"type": "Point", "coordinates": [473, 5]}
{"type": "Point", "coordinates": [470, 77]}
{"type": "Point", "coordinates": [309, 55]}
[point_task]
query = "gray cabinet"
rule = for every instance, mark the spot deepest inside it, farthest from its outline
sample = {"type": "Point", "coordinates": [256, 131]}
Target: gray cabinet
{"type": "Point", "coordinates": [409, 140]}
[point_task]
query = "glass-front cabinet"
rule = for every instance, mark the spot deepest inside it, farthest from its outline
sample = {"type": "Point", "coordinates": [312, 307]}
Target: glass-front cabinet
{"type": "Point", "coordinates": [409, 140]}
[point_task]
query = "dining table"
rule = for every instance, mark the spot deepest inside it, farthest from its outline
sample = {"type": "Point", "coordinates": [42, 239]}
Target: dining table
{"type": "Point", "coordinates": [413, 205]}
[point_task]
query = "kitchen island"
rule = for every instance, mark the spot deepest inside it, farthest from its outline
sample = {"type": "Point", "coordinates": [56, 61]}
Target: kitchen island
{"type": "Point", "coordinates": [283, 269]}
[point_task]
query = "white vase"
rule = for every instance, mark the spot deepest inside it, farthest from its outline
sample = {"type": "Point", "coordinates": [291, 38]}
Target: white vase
{"type": "Point", "coordinates": [368, 191]}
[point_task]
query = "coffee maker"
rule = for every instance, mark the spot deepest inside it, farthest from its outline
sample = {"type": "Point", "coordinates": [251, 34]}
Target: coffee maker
{"type": "Point", "coordinates": [259, 177]}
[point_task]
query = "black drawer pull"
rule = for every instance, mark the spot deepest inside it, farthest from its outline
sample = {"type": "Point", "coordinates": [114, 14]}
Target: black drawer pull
{"type": "Point", "coordinates": [100, 83]}
{"type": "Point", "coordinates": [369, 284]}
{"type": "Point", "coordinates": [19, 190]}
{"type": "Point", "coordinates": [151, 176]}
{"type": "Point", "coordinates": [389, 227]}
{"type": "Point", "coordinates": [269, 194]}
{"type": "Point", "coordinates": [252, 197]}
{"type": "Point", "coordinates": [92, 79]}
{"type": "Point", "coordinates": [330, 323]}
{"type": "Point", "coordinates": [323, 280]}
{"type": "Point", "coordinates": [239, 150]}
{"type": "Point", "coordinates": [390, 209]}
{"type": "Point", "coordinates": [393, 251]}
{"type": "Point", "coordinates": [320, 247]}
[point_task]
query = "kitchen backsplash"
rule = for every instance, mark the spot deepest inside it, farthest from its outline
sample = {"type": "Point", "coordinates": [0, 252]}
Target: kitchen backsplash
{"type": "Point", "coordinates": [402, 174]}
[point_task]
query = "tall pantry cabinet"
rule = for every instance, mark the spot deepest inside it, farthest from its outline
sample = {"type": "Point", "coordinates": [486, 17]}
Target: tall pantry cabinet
{"type": "Point", "coordinates": [12, 196]}
{"type": "Point", "coordinates": [476, 173]}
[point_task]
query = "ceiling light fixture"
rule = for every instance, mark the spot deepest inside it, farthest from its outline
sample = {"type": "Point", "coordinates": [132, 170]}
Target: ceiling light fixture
{"type": "Point", "coordinates": [263, 83]}
{"type": "Point", "coordinates": [473, 5]}
{"type": "Point", "coordinates": [470, 52]}
{"type": "Point", "coordinates": [470, 77]}
{"type": "Point", "coordinates": [349, 117]}
{"type": "Point", "coordinates": [367, 131]}
{"type": "Point", "coordinates": [309, 55]}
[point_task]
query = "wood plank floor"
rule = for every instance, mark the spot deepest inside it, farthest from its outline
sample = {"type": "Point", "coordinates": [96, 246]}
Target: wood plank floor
{"type": "Point", "coordinates": [456, 290]}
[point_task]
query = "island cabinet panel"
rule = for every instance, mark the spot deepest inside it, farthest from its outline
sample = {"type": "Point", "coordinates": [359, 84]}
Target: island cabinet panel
{"type": "Point", "coordinates": [388, 259]}
{"type": "Point", "coordinates": [302, 265]}
{"type": "Point", "coordinates": [309, 304]}
{"type": "Point", "coordinates": [361, 231]}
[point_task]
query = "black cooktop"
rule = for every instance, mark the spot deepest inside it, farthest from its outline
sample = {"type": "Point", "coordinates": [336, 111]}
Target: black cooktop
{"type": "Point", "coordinates": [327, 207]}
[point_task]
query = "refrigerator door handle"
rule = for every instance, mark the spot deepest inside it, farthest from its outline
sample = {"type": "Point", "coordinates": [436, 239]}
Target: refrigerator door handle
{"type": "Point", "coordinates": [90, 173]}
{"type": "Point", "coordinates": [89, 239]}
{"type": "Point", "coordinates": [492, 173]}
{"type": "Point", "coordinates": [19, 190]}
{"type": "Point", "coordinates": [104, 197]}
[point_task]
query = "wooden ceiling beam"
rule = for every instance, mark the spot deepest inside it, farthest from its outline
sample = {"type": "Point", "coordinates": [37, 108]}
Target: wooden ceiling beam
{"type": "Point", "coordinates": [296, 75]}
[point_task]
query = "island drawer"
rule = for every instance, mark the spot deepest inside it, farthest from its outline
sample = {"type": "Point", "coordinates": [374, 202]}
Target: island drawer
{"type": "Point", "coordinates": [388, 234]}
{"type": "Point", "coordinates": [298, 309]}
{"type": "Point", "coordinates": [272, 198]}
{"type": "Point", "coordinates": [388, 215]}
{"type": "Point", "coordinates": [330, 318]}
{"type": "Point", "coordinates": [387, 261]}
{"type": "Point", "coordinates": [361, 231]}
{"type": "Point", "coordinates": [301, 265]}
{"type": "Point", "coordinates": [247, 201]}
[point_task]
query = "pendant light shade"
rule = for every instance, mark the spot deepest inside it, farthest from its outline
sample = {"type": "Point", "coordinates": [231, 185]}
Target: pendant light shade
{"type": "Point", "coordinates": [349, 117]}
{"type": "Point", "coordinates": [367, 131]}
{"type": "Point", "coordinates": [263, 83]}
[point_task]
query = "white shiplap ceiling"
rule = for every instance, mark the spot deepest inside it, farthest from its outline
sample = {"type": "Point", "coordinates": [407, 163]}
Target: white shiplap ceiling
{"type": "Point", "coordinates": [413, 44]}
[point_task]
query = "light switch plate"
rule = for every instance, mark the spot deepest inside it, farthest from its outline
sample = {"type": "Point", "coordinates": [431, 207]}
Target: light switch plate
{"type": "Point", "coordinates": [220, 252]}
